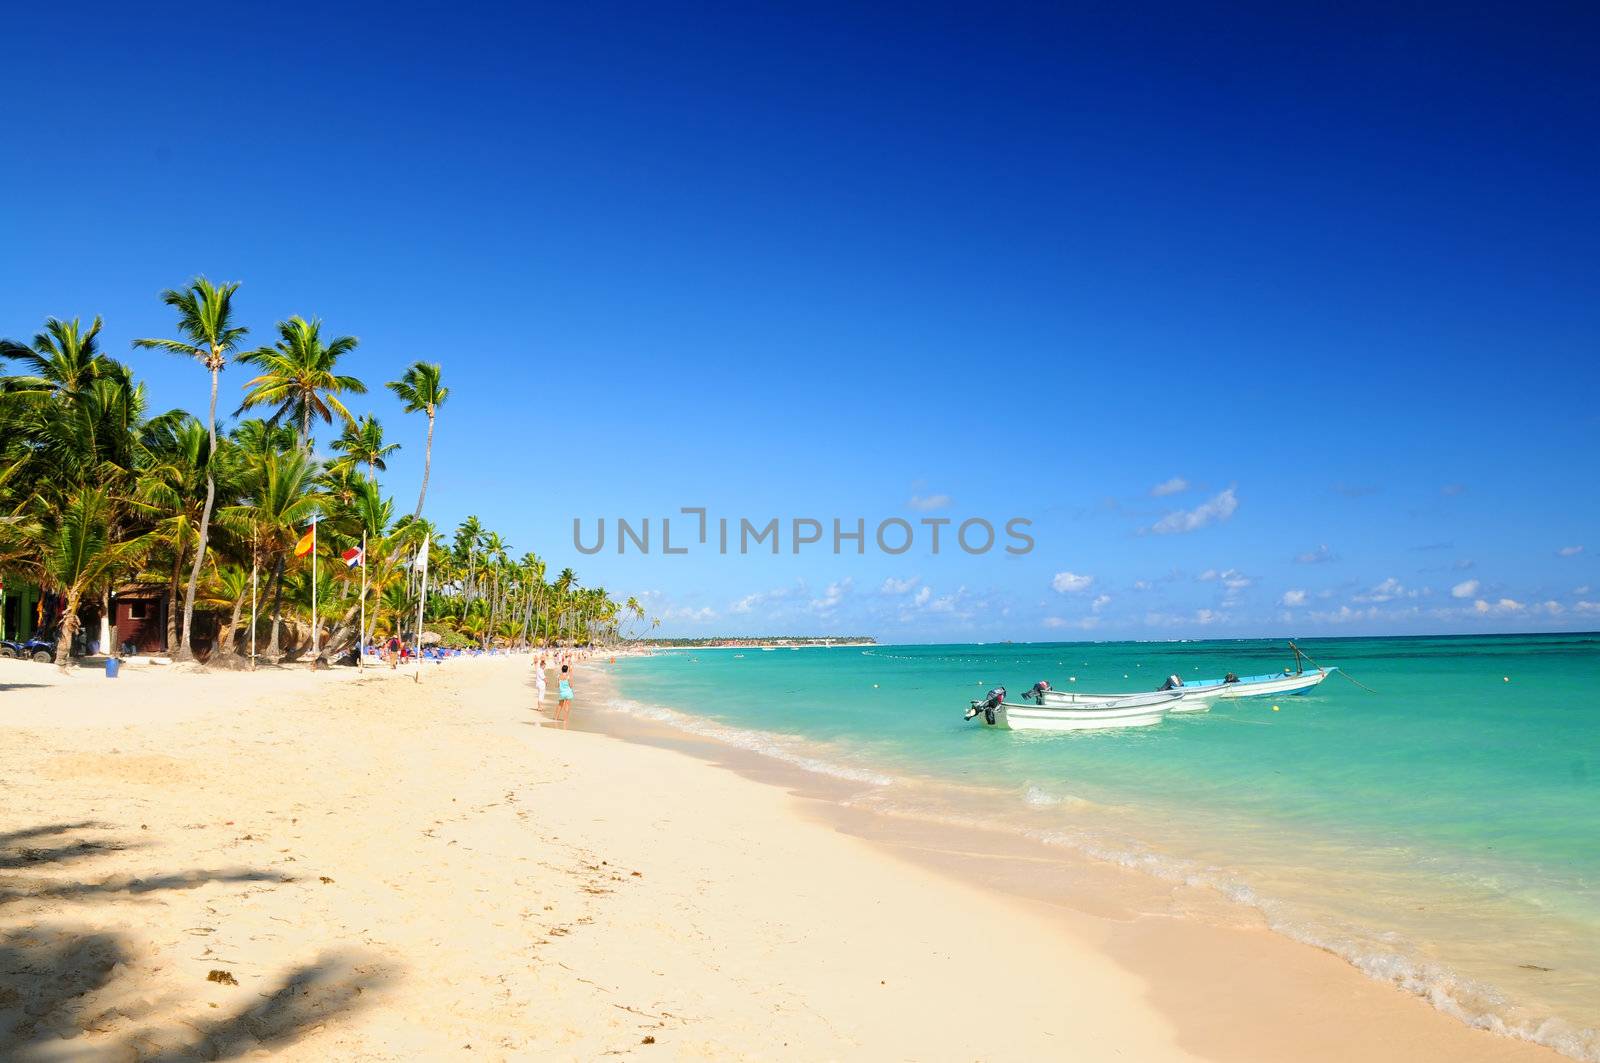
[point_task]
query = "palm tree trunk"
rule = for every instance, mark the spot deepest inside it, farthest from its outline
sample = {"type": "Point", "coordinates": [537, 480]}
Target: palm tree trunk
{"type": "Point", "coordinates": [172, 601]}
{"type": "Point", "coordinates": [186, 649]}
{"type": "Point", "coordinates": [67, 628]}
{"type": "Point", "coordinates": [427, 468]}
{"type": "Point", "coordinates": [225, 647]}
{"type": "Point", "coordinates": [277, 610]}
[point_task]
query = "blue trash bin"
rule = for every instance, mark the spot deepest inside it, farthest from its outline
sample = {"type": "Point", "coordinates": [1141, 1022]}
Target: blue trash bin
{"type": "Point", "coordinates": [112, 664]}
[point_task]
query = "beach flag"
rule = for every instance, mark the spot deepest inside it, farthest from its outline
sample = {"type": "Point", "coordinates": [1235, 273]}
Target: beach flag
{"type": "Point", "coordinates": [352, 557]}
{"type": "Point", "coordinates": [307, 541]}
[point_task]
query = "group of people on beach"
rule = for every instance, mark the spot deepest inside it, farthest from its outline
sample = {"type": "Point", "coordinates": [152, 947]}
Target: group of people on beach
{"type": "Point", "coordinates": [565, 659]}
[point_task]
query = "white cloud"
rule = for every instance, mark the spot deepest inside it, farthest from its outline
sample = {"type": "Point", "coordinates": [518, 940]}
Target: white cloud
{"type": "Point", "coordinates": [832, 596]}
{"type": "Point", "coordinates": [1293, 597]}
{"type": "Point", "coordinates": [750, 602]}
{"type": "Point", "coordinates": [1464, 589]}
{"type": "Point", "coordinates": [1071, 582]}
{"type": "Point", "coordinates": [1231, 579]}
{"type": "Point", "coordinates": [1202, 617]}
{"type": "Point", "coordinates": [1586, 608]}
{"type": "Point", "coordinates": [1346, 615]}
{"type": "Point", "coordinates": [1581, 591]}
{"type": "Point", "coordinates": [959, 605]}
{"type": "Point", "coordinates": [1176, 485]}
{"type": "Point", "coordinates": [1570, 551]}
{"type": "Point", "coordinates": [1387, 591]}
{"type": "Point", "coordinates": [1504, 607]}
{"type": "Point", "coordinates": [899, 586]}
{"type": "Point", "coordinates": [928, 503]}
{"type": "Point", "coordinates": [1100, 602]}
{"type": "Point", "coordinates": [1142, 584]}
{"type": "Point", "coordinates": [690, 614]}
{"type": "Point", "coordinates": [1321, 555]}
{"type": "Point", "coordinates": [1087, 623]}
{"type": "Point", "coordinates": [1178, 522]}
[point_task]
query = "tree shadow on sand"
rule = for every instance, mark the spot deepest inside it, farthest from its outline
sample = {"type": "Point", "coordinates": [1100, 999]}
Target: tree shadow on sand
{"type": "Point", "coordinates": [66, 992]}
{"type": "Point", "coordinates": [307, 997]}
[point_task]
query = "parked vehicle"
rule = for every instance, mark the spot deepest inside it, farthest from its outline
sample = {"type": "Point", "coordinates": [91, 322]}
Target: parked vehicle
{"type": "Point", "coordinates": [40, 646]}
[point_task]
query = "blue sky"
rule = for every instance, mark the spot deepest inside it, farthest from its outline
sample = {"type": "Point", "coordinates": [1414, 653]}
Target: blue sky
{"type": "Point", "coordinates": [1325, 286]}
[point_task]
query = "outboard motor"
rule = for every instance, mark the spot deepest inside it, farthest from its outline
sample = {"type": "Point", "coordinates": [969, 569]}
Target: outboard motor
{"type": "Point", "coordinates": [987, 704]}
{"type": "Point", "coordinates": [1037, 691]}
{"type": "Point", "coordinates": [1230, 678]}
{"type": "Point", "coordinates": [1173, 682]}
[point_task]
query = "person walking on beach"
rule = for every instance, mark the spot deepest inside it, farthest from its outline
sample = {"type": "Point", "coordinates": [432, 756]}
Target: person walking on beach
{"type": "Point", "coordinates": [539, 680]}
{"type": "Point", "coordinates": [564, 699]}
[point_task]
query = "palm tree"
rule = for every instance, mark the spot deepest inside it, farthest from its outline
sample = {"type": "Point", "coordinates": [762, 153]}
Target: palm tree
{"type": "Point", "coordinates": [254, 438]}
{"type": "Point", "coordinates": [420, 390]}
{"type": "Point", "coordinates": [279, 502]}
{"type": "Point", "coordinates": [176, 457]}
{"type": "Point", "coordinates": [205, 320]}
{"type": "Point", "coordinates": [362, 442]}
{"type": "Point", "coordinates": [70, 551]}
{"type": "Point", "coordinates": [469, 533]}
{"type": "Point", "coordinates": [65, 359]}
{"type": "Point", "coordinates": [494, 556]}
{"type": "Point", "coordinates": [228, 588]}
{"type": "Point", "coordinates": [298, 377]}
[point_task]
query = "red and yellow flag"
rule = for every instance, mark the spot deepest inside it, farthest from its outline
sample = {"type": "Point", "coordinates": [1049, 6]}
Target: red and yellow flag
{"type": "Point", "coordinates": [303, 547]}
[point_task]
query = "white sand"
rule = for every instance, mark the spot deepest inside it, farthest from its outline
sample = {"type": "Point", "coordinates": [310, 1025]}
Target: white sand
{"type": "Point", "coordinates": [393, 870]}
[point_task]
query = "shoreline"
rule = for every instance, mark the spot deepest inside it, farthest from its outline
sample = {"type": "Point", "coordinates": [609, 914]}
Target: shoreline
{"type": "Point", "coordinates": [394, 870]}
{"type": "Point", "coordinates": [1143, 921]}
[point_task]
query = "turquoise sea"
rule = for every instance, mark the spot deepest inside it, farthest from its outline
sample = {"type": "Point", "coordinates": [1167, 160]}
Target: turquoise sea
{"type": "Point", "coordinates": [1440, 832]}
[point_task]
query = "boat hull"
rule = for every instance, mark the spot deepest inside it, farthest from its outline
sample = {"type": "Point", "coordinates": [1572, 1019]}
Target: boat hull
{"type": "Point", "coordinates": [1198, 700]}
{"type": "Point", "coordinates": [1198, 697]}
{"type": "Point", "coordinates": [1289, 684]}
{"type": "Point", "coordinates": [1139, 710]}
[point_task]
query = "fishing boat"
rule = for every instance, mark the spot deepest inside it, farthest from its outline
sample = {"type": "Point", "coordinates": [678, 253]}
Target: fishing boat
{"type": "Point", "coordinates": [1121, 710]}
{"type": "Point", "coordinates": [1198, 694]}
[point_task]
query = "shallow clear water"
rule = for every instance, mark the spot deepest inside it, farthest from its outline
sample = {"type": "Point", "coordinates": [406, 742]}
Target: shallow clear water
{"type": "Point", "coordinates": [1442, 833]}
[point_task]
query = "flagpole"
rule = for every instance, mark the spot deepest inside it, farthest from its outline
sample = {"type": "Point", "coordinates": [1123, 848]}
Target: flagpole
{"type": "Point", "coordinates": [361, 634]}
{"type": "Point", "coordinates": [252, 605]}
{"type": "Point", "coordinates": [421, 601]}
{"type": "Point", "coordinates": [313, 591]}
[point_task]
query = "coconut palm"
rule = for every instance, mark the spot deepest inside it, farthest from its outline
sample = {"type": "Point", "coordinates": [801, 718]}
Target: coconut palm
{"type": "Point", "coordinates": [299, 377]}
{"type": "Point", "coordinates": [362, 443]}
{"type": "Point", "coordinates": [65, 359]}
{"type": "Point", "coordinates": [254, 438]}
{"type": "Point", "coordinates": [469, 534]}
{"type": "Point", "coordinates": [176, 462]}
{"type": "Point", "coordinates": [70, 551]}
{"type": "Point", "coordinates": [205, 320]}
{"type": "Point", "coordinates": [421, 391]}
{"type": "Point", "coordinates": [228, 588]}
{"type": "Point", "coordinates": [280, 500]}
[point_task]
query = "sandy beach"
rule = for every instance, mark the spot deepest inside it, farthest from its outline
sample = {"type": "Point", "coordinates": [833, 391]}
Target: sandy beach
{"type": "Point", "coordinates": [338, 865]}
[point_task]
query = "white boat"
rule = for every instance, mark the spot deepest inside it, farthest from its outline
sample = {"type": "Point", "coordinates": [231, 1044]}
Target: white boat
{"type": "Point", "coordinates": [1125, 710]}
{"type": "Point", "coordinates": [1198, 694]}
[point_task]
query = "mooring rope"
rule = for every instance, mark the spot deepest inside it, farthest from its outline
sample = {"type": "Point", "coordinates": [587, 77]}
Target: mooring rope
{"type": "Point", "coordinates": [1302, 653]}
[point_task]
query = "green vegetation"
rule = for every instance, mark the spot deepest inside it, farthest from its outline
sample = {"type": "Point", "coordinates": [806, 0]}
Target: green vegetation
{"type": "Point", "coordinates": [97, 492]}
